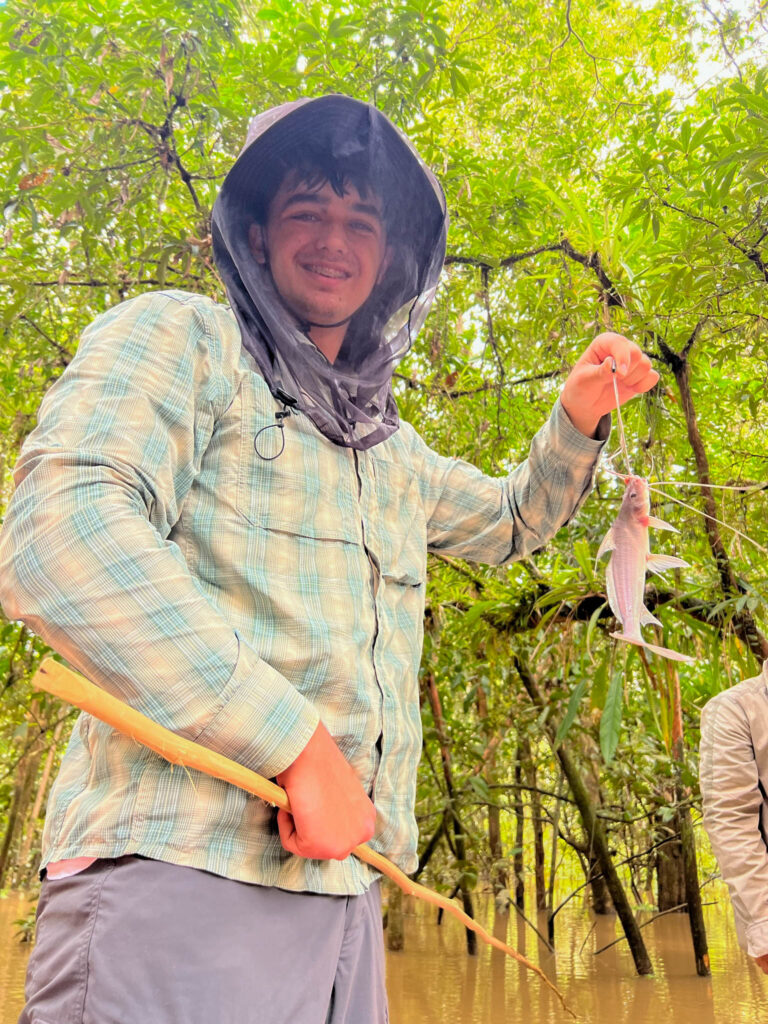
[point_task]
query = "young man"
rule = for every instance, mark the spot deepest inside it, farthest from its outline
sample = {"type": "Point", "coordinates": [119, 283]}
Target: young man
{"type": "Point", "coordinates": [733, 767]}
{"type": "Point", "coordinates": [220, 519]}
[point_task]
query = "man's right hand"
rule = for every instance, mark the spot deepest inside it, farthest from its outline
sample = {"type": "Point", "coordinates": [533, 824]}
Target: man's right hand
{"type": "Point", "coordinates": [330, 811]}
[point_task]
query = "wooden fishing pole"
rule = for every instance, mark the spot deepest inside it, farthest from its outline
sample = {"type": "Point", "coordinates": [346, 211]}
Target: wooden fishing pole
{"type": "Point", "coordinates": [62, 682]}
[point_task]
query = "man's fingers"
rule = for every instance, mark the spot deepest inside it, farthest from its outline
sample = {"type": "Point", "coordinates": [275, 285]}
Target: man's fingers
{"type": "Point", "coordinates": [632, 381]}
{"type": "Point", "coordinates": [286, 826]}
{"type": "Point", "coordinates": [640, 366]}
{"type": "Point", "coordinates": [639, 377]}
{"type": "Point", "coordinates": [613, 346]}
{"type": "Point", "coordinates": [321, 846]}
{"type": "Point", "coordinates": [642, 380]}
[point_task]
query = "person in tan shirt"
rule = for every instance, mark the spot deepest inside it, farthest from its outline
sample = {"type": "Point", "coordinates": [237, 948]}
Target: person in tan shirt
{"type": "Point", "coordinates": [734, 782]}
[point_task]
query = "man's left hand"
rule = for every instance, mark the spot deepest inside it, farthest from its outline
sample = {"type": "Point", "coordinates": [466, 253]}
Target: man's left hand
{"type": "Point", "coordinates": [588, 393]}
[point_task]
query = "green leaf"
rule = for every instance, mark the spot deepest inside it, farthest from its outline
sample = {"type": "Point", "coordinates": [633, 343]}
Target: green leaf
{"type": "Point", "coordinates": [699, 135]}
{"type": "Point", "coordinates": [571, 711]}
{"type": "Point", "coordinates": [480, 786]}
{"type": "Point", "coordinates": [610, 722]}
{"type": "Point", "coordinates": [583, 558]}
{"type": "Point", "coordinates": [459, 82]}
{"type": "Point", "coordinates": [478, 609]}
{"type": "Point", "coordinates": [593, 620]}
{"type": "Point", "coordinates": [339, 28]}
{"type": "Point", "coordinates": [599, 689]}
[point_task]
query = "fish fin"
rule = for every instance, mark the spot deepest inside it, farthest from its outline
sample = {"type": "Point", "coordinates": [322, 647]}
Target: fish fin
{"type": "Point", "coordinates": [659, 524]}
{"type": "Point", "coordinates": [647, 618]}
{"type": "Point", "coordinates": [665, 652]}
{"type": "Point", "coordinates": [613, 600]}
{"type": "Point", "coordinates": [658, 563]}
{"type": "Point", "coordinates": [608, 543]}
{"type": "Point", "coordinates": [628, 639]}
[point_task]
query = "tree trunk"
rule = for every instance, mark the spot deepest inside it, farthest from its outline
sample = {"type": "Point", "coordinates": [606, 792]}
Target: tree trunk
{"type": "Point", "coordinates": [395, 933]}
{"type": "Point", "coordinates": [538, 838]}
{"type": "Point", "coordinates": [32, 828]}
{"type": "Point", "coordinates": [499, 880]}
{"type": "Point", "coordinates": [744, 624]}
{"type": "Point", "coordinates": [594, 830]}
{"type": "Point", "coordinates": [10, 832]}
{"type": "Point", "coordinates": [590, 757]}
{"type": "Point", "coordinates": [518, 861]}
{"type": "Point", "coordinates": [560, 790]}
{"type": "Point", "coordinates": [458, 830]}
{"type": "Point", "coordinates": [687, 837]}
{"type": "Point", "coordinates": [692, 892]}
{"type": "Point", "coordinates": [26, 773]}
{"type": "Point", "coordinates": [432, 845]}
{"type": "Point", "coordinates": [670, 872]}
{"type": "Point", "coordinates": [600, 896]}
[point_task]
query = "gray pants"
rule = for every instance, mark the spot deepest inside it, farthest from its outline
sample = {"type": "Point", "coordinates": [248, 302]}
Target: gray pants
{"type": "Point", "coordinates": [137, 941]}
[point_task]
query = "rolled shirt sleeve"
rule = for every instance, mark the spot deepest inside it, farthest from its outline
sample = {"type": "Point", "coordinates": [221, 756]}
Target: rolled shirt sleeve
{"type": "Point", "coordinates": [499, 519]}
{"type": "Point", "coordinates": [733, 798]}
{"type": "Point", "coordinates": [85, 559]}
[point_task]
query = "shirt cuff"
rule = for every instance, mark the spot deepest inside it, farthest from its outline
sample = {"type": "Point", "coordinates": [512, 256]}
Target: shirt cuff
{"type": "Point", "coordinates": [757, 938]}
{"type": "Point", "coordinates": [264, 722]}
{"type": "Point", "coordinates": [570, 444]}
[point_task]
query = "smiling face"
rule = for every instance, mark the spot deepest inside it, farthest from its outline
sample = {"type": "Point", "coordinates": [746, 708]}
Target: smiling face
{"type": "Point", "coordinates": [326, 254]}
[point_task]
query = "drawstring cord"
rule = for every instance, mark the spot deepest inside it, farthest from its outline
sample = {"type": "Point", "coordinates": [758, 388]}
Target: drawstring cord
{"type": "Point", "coordinates": [289, 403]}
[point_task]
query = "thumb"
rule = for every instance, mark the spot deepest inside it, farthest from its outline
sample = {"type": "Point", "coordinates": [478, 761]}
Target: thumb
{"type": "Point", "coordinates": [599, 372]}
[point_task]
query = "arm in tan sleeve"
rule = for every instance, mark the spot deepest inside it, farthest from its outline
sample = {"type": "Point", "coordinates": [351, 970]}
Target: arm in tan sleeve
{"type": "Point", "coordinates": [733, 798]}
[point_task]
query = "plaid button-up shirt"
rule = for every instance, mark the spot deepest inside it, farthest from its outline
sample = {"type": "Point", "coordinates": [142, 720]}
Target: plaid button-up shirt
{"type": "Point", "coordinates": [234, 599]}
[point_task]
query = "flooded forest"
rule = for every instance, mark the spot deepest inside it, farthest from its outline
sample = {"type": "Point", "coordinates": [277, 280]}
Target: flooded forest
{"type": "Point", "coordinates": [605, 167]}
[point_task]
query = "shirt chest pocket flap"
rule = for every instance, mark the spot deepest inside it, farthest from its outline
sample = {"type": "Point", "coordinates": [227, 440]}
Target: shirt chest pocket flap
{"type": "Point", "coordinates": [402, 524]}
{"type": "Point", "coordinates": [305, 489]}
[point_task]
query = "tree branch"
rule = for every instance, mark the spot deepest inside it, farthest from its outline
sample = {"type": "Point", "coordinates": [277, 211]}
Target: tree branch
{"type": "Point", "coordinates": [488, 386]}
{"type": "Point", "coordinates": [591, 261]}
{"type": "Point", "coordinates": [721, 33]}
{"type": "Point", "coordinates": [743, 620]}
{"type": "Point", "coordinates": [66, 355]}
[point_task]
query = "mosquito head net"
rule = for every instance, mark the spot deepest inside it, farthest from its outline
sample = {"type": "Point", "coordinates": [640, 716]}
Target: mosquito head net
{"type": "Point", "coordinates": [343, 143]}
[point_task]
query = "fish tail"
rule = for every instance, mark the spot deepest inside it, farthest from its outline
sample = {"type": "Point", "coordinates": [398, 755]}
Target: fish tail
{"type": "Point", "coordinates": [665, 652]}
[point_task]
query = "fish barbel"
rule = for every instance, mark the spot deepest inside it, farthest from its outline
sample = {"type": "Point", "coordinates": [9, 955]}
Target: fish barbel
{"type": "Point", "coordinates": [627, 540]}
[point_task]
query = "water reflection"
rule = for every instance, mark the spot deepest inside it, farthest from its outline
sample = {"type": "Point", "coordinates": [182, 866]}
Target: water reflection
{"type": "Point", "coordinates": [13, 957]}
{"type": "Point", "coordinates": [435, 982]}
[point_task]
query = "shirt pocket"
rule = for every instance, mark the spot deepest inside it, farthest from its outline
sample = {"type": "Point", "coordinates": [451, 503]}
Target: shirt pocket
{"type": "Point", "coordinates": [403, 544]}
{"type": "Point", "coordinates": [306, 490]}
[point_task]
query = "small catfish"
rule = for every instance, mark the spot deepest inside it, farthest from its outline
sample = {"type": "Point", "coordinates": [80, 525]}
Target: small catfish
{"type": "Point", "coordinates": [627, 540]}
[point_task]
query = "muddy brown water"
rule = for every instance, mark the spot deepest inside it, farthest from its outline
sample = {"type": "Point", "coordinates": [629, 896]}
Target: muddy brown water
{"type": "Point", "coordinates": [435, 982]}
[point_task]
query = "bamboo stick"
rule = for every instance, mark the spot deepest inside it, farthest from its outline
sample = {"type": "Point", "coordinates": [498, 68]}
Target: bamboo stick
{"type": "Point", "coordinates": [62, 682]}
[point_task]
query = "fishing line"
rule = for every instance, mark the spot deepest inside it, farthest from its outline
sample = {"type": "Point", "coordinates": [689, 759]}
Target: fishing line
{"type": "Point", "coordinates": [715, 487]}
{"type": "Point", "coordinates": [679, 501]}
{"type": "Point", "coordinates": [706, 515]}
{"type": "Point", "coordinates": [622, 439]}
{"type": "Point", "coordinates": [689, 483]}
